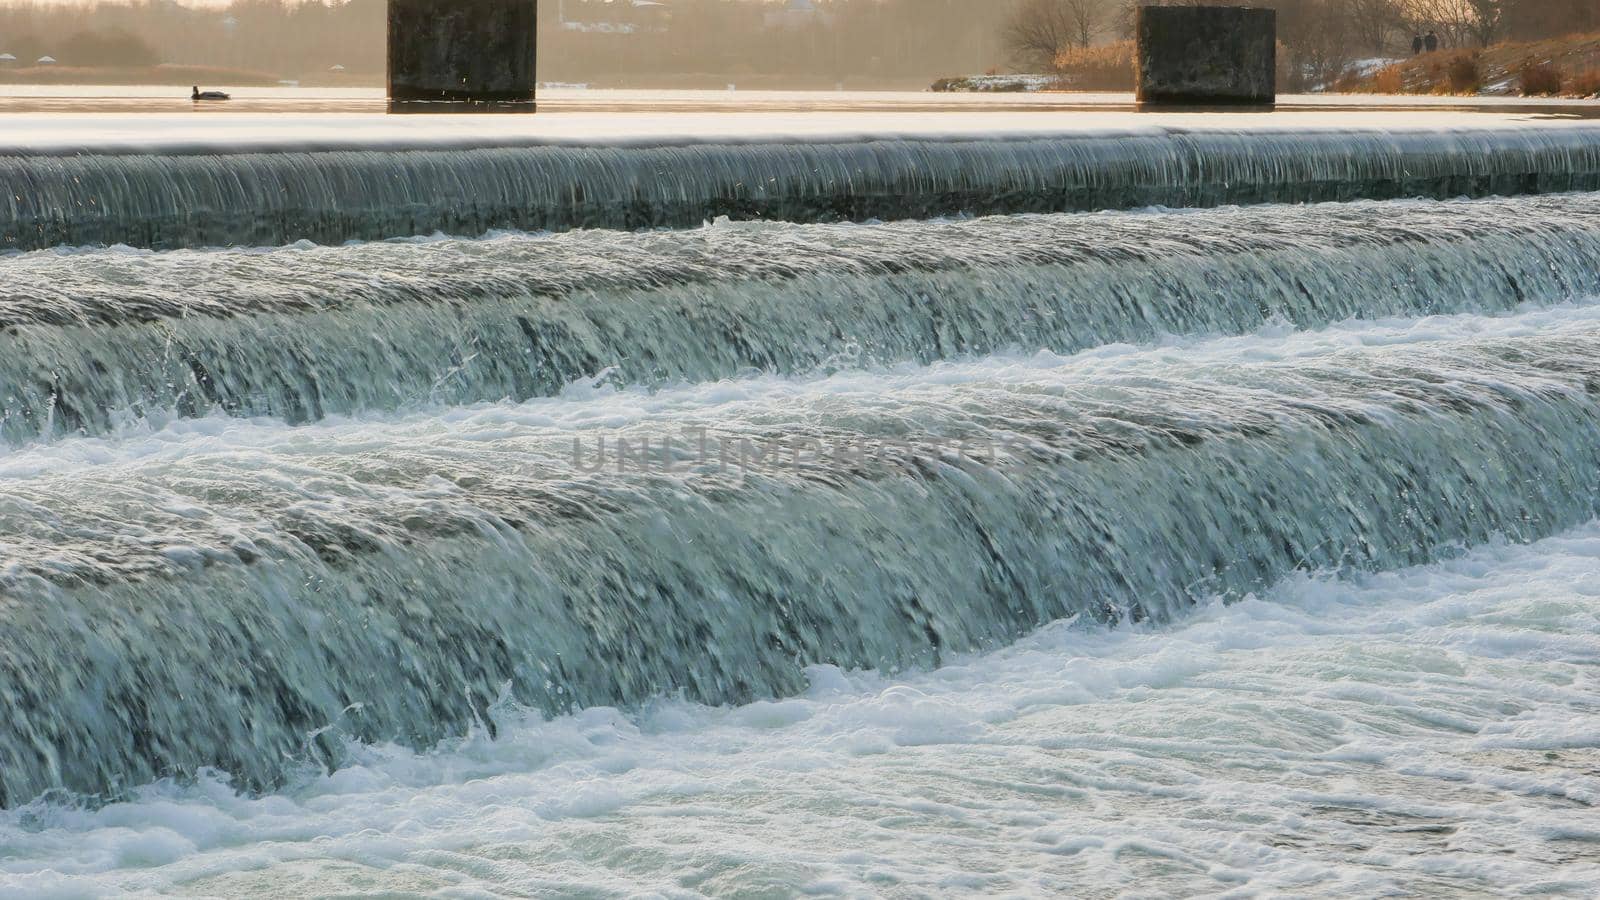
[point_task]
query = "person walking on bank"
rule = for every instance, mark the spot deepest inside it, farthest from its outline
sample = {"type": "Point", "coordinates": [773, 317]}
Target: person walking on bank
{"type": "Point", "coordinates": [1416, 45]}
{"type": "Point", "coordinates": [1431, 42]}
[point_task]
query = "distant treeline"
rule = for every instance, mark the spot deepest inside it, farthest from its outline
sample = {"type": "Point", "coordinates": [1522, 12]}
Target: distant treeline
{"type": "Point", "coordinates": [674, 42]}
{"type": "Point", "coordinates": [290, 39]}
{"type": "Point", "coordinates": [751, 43]}
{"type": "Point", "coordinates": [1321, 40]}
{"type": "Point", "coordinates": [1327, 38]}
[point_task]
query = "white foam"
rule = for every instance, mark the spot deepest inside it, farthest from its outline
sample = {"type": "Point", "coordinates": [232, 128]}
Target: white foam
{"type": "Point", "coordinates": [1431, 729]}
{"type": "Point", "coordinates": [598, 404]}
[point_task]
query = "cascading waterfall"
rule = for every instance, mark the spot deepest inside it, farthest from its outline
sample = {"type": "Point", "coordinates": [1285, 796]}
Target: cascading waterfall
{"type": "Point", "coordinates": [390, 580]}
{"type": "Point", "coordinates": [927, 514]}
{"type": "Point", "coordinates": [90, 339]}
{"type": "Point", "coordinates": [265, 506]}
{"type": "Point", "coordinates": [329, 195]}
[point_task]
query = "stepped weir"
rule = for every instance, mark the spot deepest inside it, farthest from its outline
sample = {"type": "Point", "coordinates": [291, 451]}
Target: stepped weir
{"type": "Point", "coordinates": [351, 440]}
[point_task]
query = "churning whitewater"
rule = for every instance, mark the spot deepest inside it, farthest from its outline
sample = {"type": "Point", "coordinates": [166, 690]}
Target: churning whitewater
{"type": "Point", "coordinates": [390, 580]}
{"type": "Point", "coordinates": [93, 339]}
{"type": "Point", "coordinates": [1172, 550]}
{"type": "Point", "coordinates": [1425, 731]}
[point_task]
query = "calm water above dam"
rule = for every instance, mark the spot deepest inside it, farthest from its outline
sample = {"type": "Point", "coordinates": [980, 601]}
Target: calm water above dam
{"type": "Point", "coordinates": [1015, 507]}
{"type": "Point", "coordinates": [566, 98]}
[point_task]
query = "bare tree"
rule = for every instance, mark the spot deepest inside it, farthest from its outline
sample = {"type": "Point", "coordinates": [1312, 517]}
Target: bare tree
{"type": "Point", "coordinates": [1374, 22]}
{"type": "Point", "coordinates": [1487, 17]}
{"type": "Point", "coordinates": [1086, 16]}
{"type": "Point", "coordinates": [1456, 21]}
{"type": "Point", "coordinates": [1041, 30]}
{"type": "Point", "coordinates": [1319, 37]}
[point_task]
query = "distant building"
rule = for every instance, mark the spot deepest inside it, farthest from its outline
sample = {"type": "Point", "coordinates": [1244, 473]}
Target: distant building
{"type": "Point", "coordinates": [630, 17]}
{"type": "Point", "coordinates": [798, 14]}
{"type": "Point", "coordinates": [7, 59]}
{"type": "Point", "coordinates": [47, 60]}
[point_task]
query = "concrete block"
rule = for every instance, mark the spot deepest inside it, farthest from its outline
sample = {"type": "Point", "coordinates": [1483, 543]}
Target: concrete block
{"type": "Point", "coordinates": [462, 55]}
{"type": "Point", "coordinates": [1207, 55]}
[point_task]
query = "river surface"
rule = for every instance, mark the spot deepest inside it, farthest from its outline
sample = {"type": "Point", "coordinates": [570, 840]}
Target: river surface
{"type": "Point", "coordinates": [375, 522]}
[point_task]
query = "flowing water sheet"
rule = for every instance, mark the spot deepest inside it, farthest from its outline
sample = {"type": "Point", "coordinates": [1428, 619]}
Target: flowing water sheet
{"type": "Point", "coordinates": [1426, 731]}
{"type": "Point", "coordinates": [1172, 551]}
{"type": "Point", "coordinates": [390, 580]}
{"type": "Point", "coordinates": [370, 190]}
{"type": "Point", "coordinates": [90, 340]}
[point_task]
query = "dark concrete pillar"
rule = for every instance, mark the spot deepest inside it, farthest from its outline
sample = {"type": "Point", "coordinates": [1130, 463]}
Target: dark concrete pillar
{"type": "Point", "coordinates": [1207, 55]}
{"type": "Point", "coordinates": [462, 55]}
